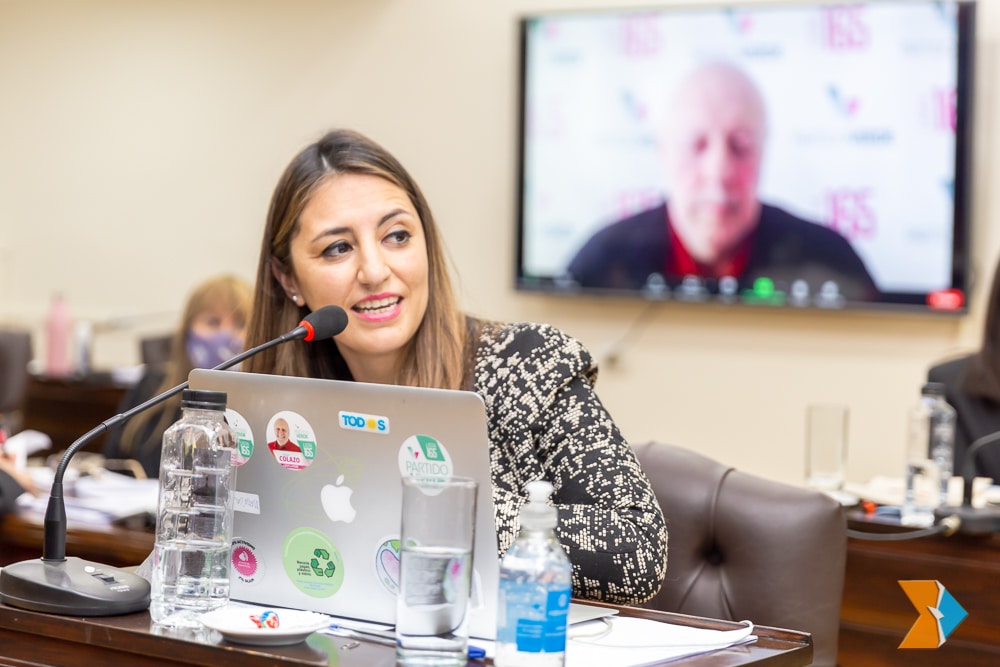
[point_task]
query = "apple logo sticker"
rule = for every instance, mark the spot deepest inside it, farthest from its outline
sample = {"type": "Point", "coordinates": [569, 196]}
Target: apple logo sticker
{"type": "Point", "coordinates": [336, 501]}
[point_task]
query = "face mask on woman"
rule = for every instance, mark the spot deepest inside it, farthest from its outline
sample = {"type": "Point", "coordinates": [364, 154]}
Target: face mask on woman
{"type": "Point", "coordinates": [210, 351]}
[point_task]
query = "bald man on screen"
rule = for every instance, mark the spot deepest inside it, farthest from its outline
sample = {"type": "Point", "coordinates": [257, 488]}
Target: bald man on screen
{"type": "Point", "coordinates": [713, 224]}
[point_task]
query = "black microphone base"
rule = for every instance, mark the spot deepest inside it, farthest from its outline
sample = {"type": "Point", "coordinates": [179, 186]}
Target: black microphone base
{"type": "Point", "coordinates": [72, 587]}
{"type": "Point", "coordinates": [973, 520]}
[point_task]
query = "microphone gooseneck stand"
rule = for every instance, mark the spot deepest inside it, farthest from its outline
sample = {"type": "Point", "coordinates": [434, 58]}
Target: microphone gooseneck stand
{"type": "Point", "coordinates": [59, 585]}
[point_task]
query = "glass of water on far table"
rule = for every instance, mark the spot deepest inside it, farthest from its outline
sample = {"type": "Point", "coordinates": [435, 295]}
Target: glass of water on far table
{"type": "Point", "coordinates": [438, 526]}
{"type": "Point", "coordinates": [826, 449]}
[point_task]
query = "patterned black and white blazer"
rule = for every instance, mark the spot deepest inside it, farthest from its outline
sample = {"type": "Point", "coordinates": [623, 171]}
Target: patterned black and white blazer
{"type": "Point", "coordinates": [546, 421]}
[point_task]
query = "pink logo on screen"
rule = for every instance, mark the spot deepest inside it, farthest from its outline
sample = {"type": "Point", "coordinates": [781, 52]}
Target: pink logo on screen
{"type": "Point", "coordinates": [850, 212]}
{"type": "Point", "coordinates": [640, 36]}
{"type": "Point", "coordinates": [741, 22]}
{"type": "Point", "coordinates": [944, 106]}
{"type": "Point", "coordinates": [847, 105]}
{"type": "Point", "coordinates": [844, 28]}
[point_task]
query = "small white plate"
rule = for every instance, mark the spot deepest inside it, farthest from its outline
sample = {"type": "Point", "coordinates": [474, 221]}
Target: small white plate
{"type": "Point", "coordinates": [236, 624]}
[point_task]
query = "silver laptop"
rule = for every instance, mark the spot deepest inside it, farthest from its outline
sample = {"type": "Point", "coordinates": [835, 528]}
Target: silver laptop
{"type": "Point", "coordinates": [318, 489]}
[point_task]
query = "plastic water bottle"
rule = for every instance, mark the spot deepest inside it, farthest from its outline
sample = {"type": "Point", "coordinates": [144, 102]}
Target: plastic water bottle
{"type": "Point", "coordinates": [930, 454]}
{"type": "Point", "coordinates": [57, 330]}
{"type": "Point", "coordinates": [942, 436]}
{"type": "Point", "coordinates": [535, 589]}
{"type": "Point", "coordinates": [194, 520]}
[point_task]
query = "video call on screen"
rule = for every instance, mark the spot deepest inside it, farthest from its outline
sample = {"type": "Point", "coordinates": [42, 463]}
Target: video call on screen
{"type": "Point", "coordinates": [867, 132]}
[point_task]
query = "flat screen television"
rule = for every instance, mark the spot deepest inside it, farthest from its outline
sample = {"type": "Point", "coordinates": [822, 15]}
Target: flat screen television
{"type": "Point", "coordinates": [793, 155]}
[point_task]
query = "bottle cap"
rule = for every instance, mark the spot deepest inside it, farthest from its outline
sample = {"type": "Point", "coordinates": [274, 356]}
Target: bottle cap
{"type": "Point", "coordinates": [933, 389]}
{"type": "Point", "coordinates": [202, 399]}
{"type": "Point", "coordinates": [537, 514]}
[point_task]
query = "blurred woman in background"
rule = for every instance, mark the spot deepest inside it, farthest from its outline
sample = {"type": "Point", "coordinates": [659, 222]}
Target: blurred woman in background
{"type": "Point", "coordinates": [972, 387]}
{"type": "Point", "coordinates": [211, 332]}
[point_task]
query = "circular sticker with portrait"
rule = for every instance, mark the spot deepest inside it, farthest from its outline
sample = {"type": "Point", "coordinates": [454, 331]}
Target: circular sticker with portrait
{"type": "Point", "coordinates": [244, 437]}
{"type": "Point", "coordinates": [291, 440]}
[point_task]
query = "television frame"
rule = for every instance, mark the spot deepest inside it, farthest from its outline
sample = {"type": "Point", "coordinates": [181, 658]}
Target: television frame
{"type": "Point", "coordinates": [962, 270]}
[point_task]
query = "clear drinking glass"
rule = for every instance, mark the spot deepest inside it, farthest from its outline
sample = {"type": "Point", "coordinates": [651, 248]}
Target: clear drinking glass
{"type": "Point", "coordinates": [437, 531]}
{"type": "Point", "coordinates": [826, 447]}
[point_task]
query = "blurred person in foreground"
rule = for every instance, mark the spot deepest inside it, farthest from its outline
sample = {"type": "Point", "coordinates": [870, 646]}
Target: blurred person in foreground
{"type": "Point", "coordinates": [210, 332]}
{"type": "Point", "coordinates": [713, 225]}
{"type": "Point", "coordinates": [348, 226]}
{"type": "Point", "coordinates": [13, 482]}
{"type": "Point", "coordinates": [972, 387]}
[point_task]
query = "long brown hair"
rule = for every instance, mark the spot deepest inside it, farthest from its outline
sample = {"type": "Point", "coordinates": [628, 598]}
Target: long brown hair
{"type": "Point", "coordinates": [228, 293]}
{"type": "Point", "coordinates": [436, 355]}
{"type": "Point", "coordinates": [982, 374]}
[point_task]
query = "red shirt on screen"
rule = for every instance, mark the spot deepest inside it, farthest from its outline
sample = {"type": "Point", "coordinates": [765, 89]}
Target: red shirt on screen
{"type": "Point", "coordinates": [681, 263]}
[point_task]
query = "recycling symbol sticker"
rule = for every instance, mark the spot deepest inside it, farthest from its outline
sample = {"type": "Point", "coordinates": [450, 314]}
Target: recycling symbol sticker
{"type": "Point", "coordinates": [321, 564]}
{"type": "Point", "coordinates": [313, 563]}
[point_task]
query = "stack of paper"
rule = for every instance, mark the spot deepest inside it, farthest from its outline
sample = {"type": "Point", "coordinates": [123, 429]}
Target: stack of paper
{"type": "Point", "coordinates": [95, 500]}
{"type": "Point", "coordinates": [631, 642]}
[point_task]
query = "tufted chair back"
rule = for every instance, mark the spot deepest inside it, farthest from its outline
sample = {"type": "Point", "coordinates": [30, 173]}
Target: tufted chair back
{"type": "Point", "coordinates": [744, 547]}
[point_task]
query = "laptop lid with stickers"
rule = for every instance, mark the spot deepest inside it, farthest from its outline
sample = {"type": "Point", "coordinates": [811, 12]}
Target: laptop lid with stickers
{"type": "Point", "coordinates": [318, 497]}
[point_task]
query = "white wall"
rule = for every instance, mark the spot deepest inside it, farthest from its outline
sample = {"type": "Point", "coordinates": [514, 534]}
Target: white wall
{"type": "Point", "coordinates": [140, 141]}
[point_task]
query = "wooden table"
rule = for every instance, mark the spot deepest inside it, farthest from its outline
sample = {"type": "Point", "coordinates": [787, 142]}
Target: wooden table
{"type": "Point", "coordinates": [21, 537]}
{"type": "Point", "coordinates": [31, 638]}
{"type": "Point", "coordinates": [66, 408]}
{"type": "Point", "coordinates": [876, 614]}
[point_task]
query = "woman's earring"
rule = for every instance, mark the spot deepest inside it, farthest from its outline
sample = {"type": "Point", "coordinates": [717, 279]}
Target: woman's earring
{"type": "Point", "coordinates": [295, 299]}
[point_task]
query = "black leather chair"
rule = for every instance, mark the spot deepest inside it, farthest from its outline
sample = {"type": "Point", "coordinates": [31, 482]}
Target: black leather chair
{"type": "Point", "coordinates": [155, 349]}
{"type": "Point", "coordinates": [15, 353]}
{"type": "Point", "coordinates": [744, 547]}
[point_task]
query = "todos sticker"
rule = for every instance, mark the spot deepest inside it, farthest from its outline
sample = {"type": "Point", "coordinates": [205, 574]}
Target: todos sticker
{"type": "Point", "coordinates": [423, 457]}
{"type": "Point", "coordinates": [291, 440]}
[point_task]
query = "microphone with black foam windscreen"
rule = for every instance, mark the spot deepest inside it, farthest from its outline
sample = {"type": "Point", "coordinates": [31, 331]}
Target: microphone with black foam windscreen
{"type": "Point", "coordinates": [56, 584]}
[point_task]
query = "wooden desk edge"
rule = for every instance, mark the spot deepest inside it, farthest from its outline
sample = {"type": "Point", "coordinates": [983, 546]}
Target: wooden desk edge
{"type": "Point", "coordinates": [791, 648]}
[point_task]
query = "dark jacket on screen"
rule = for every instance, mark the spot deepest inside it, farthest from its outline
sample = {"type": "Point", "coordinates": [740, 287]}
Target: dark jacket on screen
{"type": "Point", "coordinates": [785, 248]}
